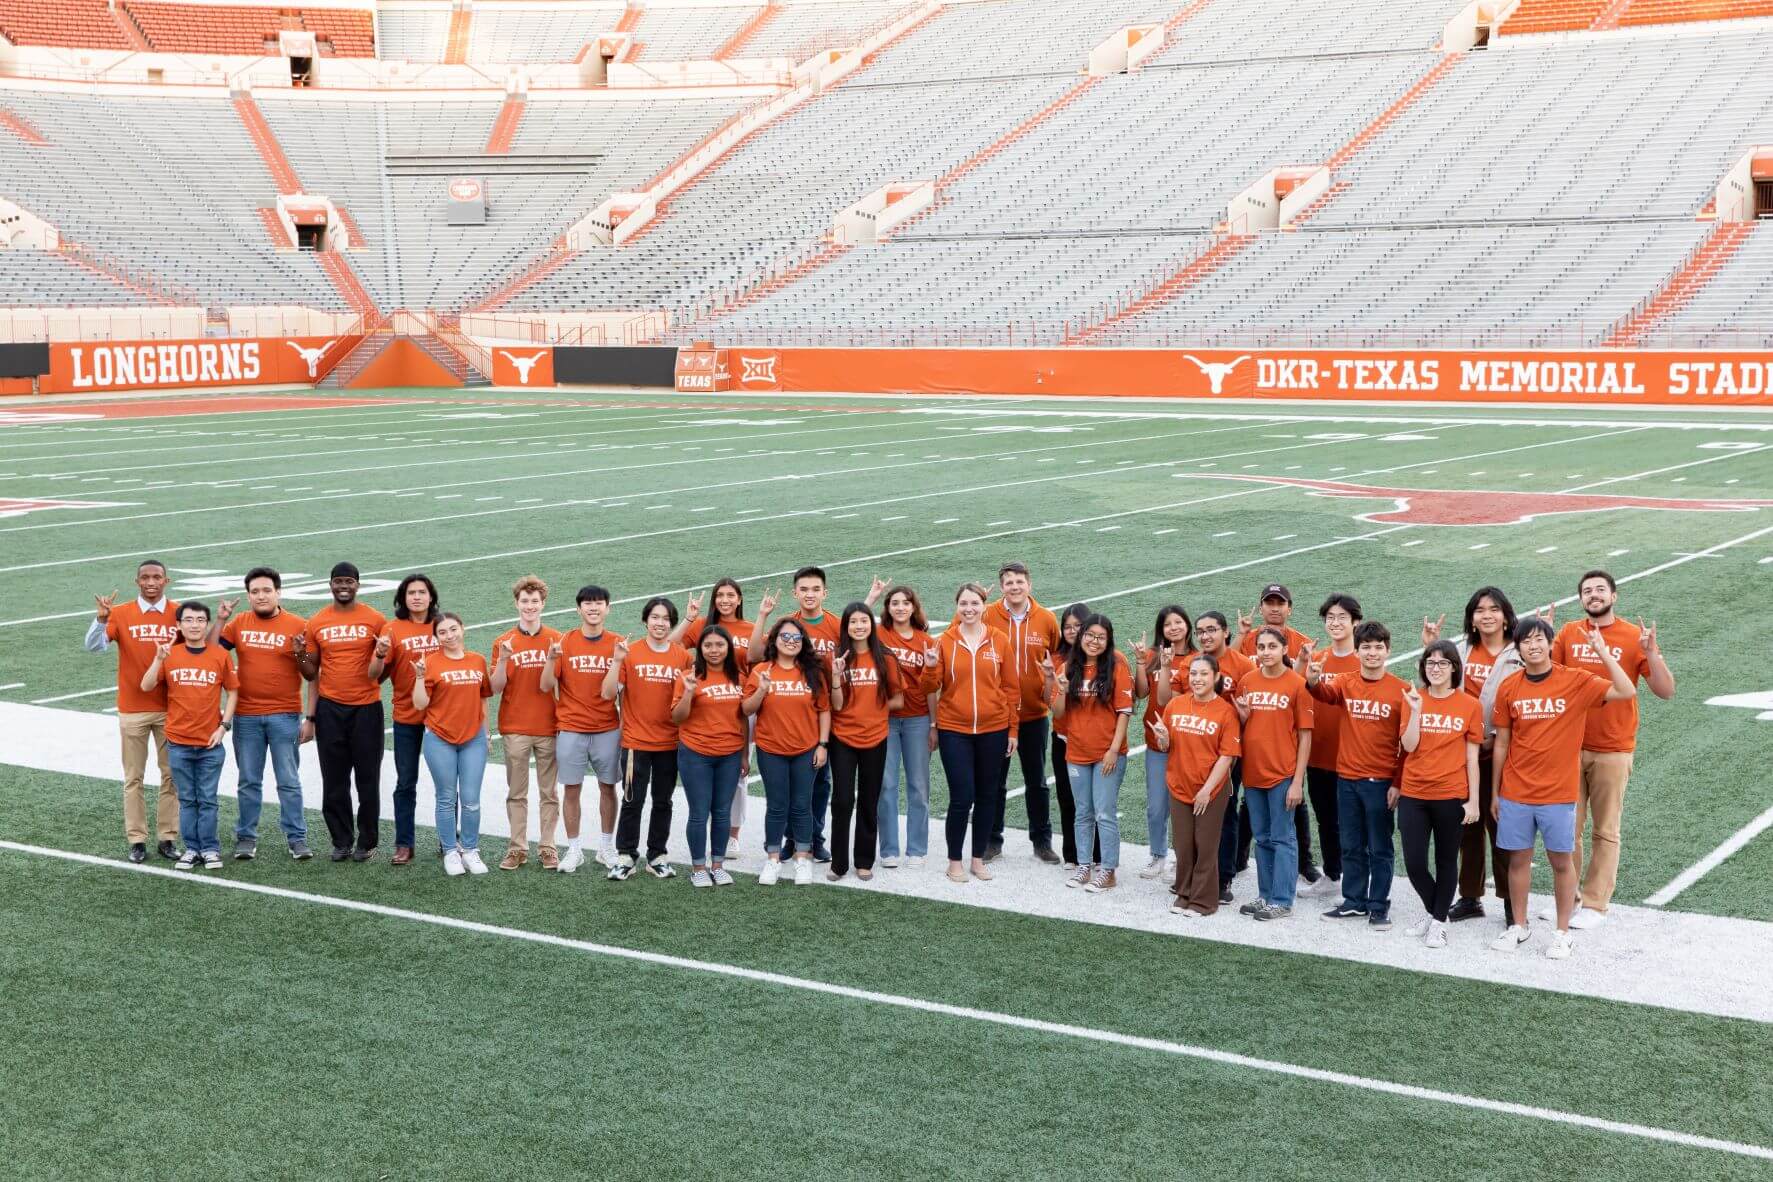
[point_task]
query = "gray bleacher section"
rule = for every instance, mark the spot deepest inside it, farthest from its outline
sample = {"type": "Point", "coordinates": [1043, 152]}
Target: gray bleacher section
{"type": "Point", "coordinates": [798, 31]}
{"type": "Point", "coordinates": [45, 279]}
{"type": "Point", "coordinates": [688, 34]}
{"type": "Point", "coordinates": [1247, 29]}
{"type": "Point", "coordinates": [412, 34]}
{"type": "Point", "coordinates": [498, 34]}
{"type": "Point", "coordinates": [1734, 310]}
{"type": "Point", "coordinates": [168, 186]}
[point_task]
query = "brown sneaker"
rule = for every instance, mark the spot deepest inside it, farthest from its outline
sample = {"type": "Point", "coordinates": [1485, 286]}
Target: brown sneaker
{"type": "Point", "coordinates": [513, 859]}
{"type": "Point", "coordinates": [550, 858]}
{"type": "Point", "coordinates": [403, 855]}
{"type": "Point", "coordinates": [1102, 880]}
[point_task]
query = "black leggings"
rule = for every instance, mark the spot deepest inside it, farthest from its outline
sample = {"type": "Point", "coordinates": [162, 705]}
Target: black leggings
{"type": "Point", "coordinates": [641, 767]}
{"type": "Point", "coordinates": [856, 773]}
{"type": "Point", "coordinates": [1445, 821]}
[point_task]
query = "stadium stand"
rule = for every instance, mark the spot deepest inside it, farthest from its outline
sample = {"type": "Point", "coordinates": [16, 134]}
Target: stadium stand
{"type": "Point", "coordinates": [86, 23]}
{"type": "Point", "coordinates": [412, 34]}
{"type": "Point", "coordinates": [798, 31]}
{"type": "Point", "coordinates": [499, 34]}
{"type": "Point", "coordinates": [687, 34]}
{"type": "Point", "coordinates": [44, 278]}
{"type": "Point", "coordinates": [1735, 308]}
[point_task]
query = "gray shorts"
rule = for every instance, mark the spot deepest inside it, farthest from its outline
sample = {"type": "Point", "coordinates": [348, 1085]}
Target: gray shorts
{"type": "Point", "coordinates": [601, 751]}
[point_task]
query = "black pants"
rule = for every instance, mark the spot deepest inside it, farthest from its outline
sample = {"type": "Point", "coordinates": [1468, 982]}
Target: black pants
{"type": "Point", "coordinates": [1320, 785]}
{"type": "Point", "coordinates": [1234, 837]}
{"type": "Point", "coordinates": [971, 764]}
{"type": "Point", "coordinates": [659, 768]}
{"type": "Point", "coordinates": [1444, 820]}
{"type": "Point", "coordinates": [348, 742]}
{"type": "Point", "coordinates": [856, 773]}
{"type": "Point", "coordinates": [1068, 808]}
{"type": "Point", "coordinates": [1031, 753]}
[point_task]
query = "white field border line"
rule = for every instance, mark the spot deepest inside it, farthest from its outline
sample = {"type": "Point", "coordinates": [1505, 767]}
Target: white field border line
{"type": "Point", "coordinates": [1305, 411]}
{"type": "Point", "coordinates": [100, 430]}
{"type": "Point", "coordinates": [937, 1008]}
{"type": "Point", "coordinates": [1698, 870]}
{"type": "Point", "coordinates": [722, 485]}
{"type": "Point", "coordinates": [510, 478]}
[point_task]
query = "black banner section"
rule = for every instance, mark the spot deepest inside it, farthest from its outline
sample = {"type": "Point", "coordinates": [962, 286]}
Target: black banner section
{"type": "Point", "coordinates": [615, 365]}
{"type": "Point", "coordinates": [26, 361]}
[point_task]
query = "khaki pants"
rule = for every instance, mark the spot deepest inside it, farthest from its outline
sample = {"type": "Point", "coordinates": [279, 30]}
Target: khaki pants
{"type": "Point", "coordinates": [136, 728]}
{"type": "Point", "coordinates": [1602, 796]}
{"type": "Point", "coordinates": [518, 749]}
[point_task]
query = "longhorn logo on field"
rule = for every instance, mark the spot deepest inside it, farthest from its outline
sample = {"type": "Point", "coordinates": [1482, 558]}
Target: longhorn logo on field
{"type": "Point", "coordinates": [1217, 371]}
{"type": "Point", "coordinates": [1762, 702]}
{"type": "Point", "coordinates": [18, 507]}
{"type": "Point", "coordinates": [523, 364]}
{"type": "Point", "coordinates": [1435, 506]}
{"type": "Point", "coordinates": [312, 356]}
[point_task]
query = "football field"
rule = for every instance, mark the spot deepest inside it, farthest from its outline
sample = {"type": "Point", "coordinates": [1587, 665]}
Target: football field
{"type": "Point", "coordinates": [281, 1019]}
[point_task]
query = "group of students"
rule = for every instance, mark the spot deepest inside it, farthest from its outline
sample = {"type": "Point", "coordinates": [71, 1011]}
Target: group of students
{"type": "Point", "coordinates": [1512, 733]}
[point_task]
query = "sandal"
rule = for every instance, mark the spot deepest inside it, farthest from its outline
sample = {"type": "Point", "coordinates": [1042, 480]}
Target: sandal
{"type": "Point", "coordinates": [956, 874]}
{"type": "Point", "coordinates": [865, 875]}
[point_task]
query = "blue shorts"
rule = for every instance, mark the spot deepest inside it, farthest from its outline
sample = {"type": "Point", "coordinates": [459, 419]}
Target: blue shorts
{"type": "Point", "coordinates": [1518, 824]}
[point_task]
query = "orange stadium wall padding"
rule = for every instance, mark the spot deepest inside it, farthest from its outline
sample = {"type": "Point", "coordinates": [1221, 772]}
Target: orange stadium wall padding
{"type": "Point", "coordinates": [76, 368]}
{"type": "Point", "coordinates": [403, 363]}
{"type": "Point", "coordinates": [1660, 378]}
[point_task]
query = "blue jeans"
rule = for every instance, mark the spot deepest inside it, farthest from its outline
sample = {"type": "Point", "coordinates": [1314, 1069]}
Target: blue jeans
{"type": "Point", "coordinates": [709, 781]}
{"type": "Point", "coordinates": [908, 742]}
{"type": "Point", "coordinates": [788, 796]}
{"type": "Point", "coordinates": [1277, 844]}
{"type": "Point", "coordinates": [1157, 802]}
{"type": "Point", "coordinates": [1365, 824]}
{"type": "Point", "coordinates": [456, 771]}
{"type": "Point", "coordinates": [282, 734]}
{"type": "Point", "coordinates": [1097, 799]}
{"type": "Point", "coordinates": [197, 773]}
{"type": "Point", "coordinates": [409, 740]}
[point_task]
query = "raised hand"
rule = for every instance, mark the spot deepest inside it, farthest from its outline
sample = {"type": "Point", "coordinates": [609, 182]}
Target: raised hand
{"type": "Point", "coordinates": [767, 604]}
{"type": "Point", "coordinates": [554, 651]}
{"type": "Point", "coordinates": [384, 645]}
{"type": "Point", "coordinates": [1167, 654]}
{"type": "Point", "coordinates": [299, 644]}
{"type": "Point", "coordinates": [1647, 638]}
{"type": "Point", "coordinates": [1141, 649]}
{"type": "Point", "coordinates": [876, 586]}
{"type": "Point", "coordinates": [162, 651]}
{"type": "Point", "coordinates": [1306, 652]}
{"type": "Point", "coordinates": [763, 675]}
{"type": "Point", "coordinates": [224, 609]}
{"type": "Point", "coordinates": [693, 609]}
{"type": "Point", "coordinates": [1595, 640]}
{"type": "Point", "coordinates": [105, 604]}
{"type": "Point", "coordinates": [1161, 733]}
{"type": "Point", "coordinates": [506, 649]}
{"type": "Point", "coordinates": [1242, 702]}
{"type": "Point", "coordinates": [932, 654]}
{"type": "Point", "coordinates": [1413, 698]}
{"type": "Point", "coordinates": [1431, 630]}
{"type": "Point", "coordinates": [1061, 682]}
{"type": "Point", "coordinates": [1244, 620]}
{"type": "Point", "coordinates": [620, 652]}
{"type": "Point", "coordinates": [418, 666]}
{"type": "Point", "coordinates": [689, 681]}
{"type": "Point", "coordinates": [1547, 612]}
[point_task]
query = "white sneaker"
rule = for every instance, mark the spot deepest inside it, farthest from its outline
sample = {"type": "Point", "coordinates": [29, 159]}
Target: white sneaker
{"type": "Point", "coordinates": [574, 859]}
{"type": "Point", "coordinates": [1560, 946]}
{"type": "Point", "coordinates": [1153, 869]}
{"type": "Point", "coordinates": [720, 876]}
{"type": "Point", "coordinates": [187, 861]}
{"type": "Point", "coordinates": [914, 861]}
{"type": "Point", "coordinates": [452, 864]}
{"type": "Point", "coordinates": [890, 863]}
{"type": "Point", "coordinates": [606, 856]}
{"type": "Point", "coordinates": [1420, 929]}
{"type": "Point", "coordinates": [803, 871]}
{"type": "Point", "coordinates": [1178, 908]}
{"type": "Point", "coordinates": [700, 877]}
{"type": "Point", "coordinates": [1511, 939]}
{"type": "Point", "coordinates": [1437, 935]}
{"type": "Point", "coordinates": [471, 859]}
{"type": "Point", "coordinates": [1584, 919]}
{"type": "Point", "coordinates": [771, 872]}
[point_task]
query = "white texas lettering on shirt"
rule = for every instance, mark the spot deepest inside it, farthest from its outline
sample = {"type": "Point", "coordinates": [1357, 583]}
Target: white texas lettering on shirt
{"type": "Point", "coordinates": [460, 676]}
{"type": "Point", "coordinates": [1538, 707]}
{"type": "Point", "coordinates": [1442, 724]}
{"type": "Point", "coordinates": [191, 676]}
{"type": "Point", "coordinates": [1194, 724]}
{"type": "Point", "coordinates": [251, 639]}
{"type": "Point", "coordinates": [334, 633]}
{"type": "Point", "coordinates": [1367, 708]}
{"type": "Point", "coordinates": [651, 672]}
{"type": "Point", "coordinates": [1269, 700]}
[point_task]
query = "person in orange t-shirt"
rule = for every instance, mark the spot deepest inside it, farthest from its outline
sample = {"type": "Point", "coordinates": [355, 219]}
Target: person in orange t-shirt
{"type": "Point", "coordinates": [865, 691]}
{"type": "Point", "coordinates": [727, 599]}
{"type": "Point", "coordinates": [1093, 695]}
{"type": "Point", "coordinates": [1200, 736]}
{"type": "Point", "coordinates": [645, 678]}
{"type": "Point", "coordinates": [1610, 737]}
{"type": "Point", "coordinates": [1340, 614]}
{"type": "Point", "coordinates": [526, 724]}
{"type": "Point", "coordinates": [1437, 796]}
{"type": "Point", "coordinates": [1374, 713]}
{"type": "Point", "coordinates": [1212, 633]}
{"type": "Point", "coordinates": [1540, 715]}
{"type": "Point", "coordinates": [1034, 633]}
{"type": "Point", "coordinates": [1276, 710]}
{"type": "Point", "coordinates": [904, 630]}
{"type": "Point", "coordinates": [451, 689]}
{"type": "Point", "coordinates": [590, 734]}
{"type": "Point", "coordinates": [271, 714]}
{"type": "Point", "coordinates": [403, 640]}
{"type": "Point", "coordinates": [339, 643]}
{"type": "Point", "coordinates": [200, 686]}
{"type": "Point", "coordinates": [978, 696]}
{"type": "Point", "coordinates": [1164, 662]}
{"type": "Point", "coordinates": [786, 692]}
{"type": "Point", "coordinates": [1273, 610]}
{"type": "Point", "coordinates": [711, 739]}
{"type": "Point", "coordinates": [136, 628]}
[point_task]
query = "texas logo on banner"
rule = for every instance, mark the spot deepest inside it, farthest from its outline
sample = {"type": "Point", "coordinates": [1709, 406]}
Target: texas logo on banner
{"type": "Point", "coordinates": [523, 367]}
{"type": "Point", "coordinates": [151, 365]}
{"type": "Point", "coordinates": [702, 370]}
{"type": "Point", "coordinates": [1434, 506]}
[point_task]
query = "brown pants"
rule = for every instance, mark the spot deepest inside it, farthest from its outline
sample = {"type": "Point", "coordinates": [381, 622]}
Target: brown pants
{"type": "Point", "coordinates": [518, 749]}
{"type": "Point", "coordinates": [136, 729]}
{"type": "Point", "coordinates": [1602, 797]}
{"type": "Point", "coordinates": [1196, 842]}
{"type": "Point", "coordinates": [1478, 838]}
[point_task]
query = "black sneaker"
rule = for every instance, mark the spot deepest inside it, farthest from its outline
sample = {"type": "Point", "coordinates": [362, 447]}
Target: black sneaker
{"type": "Point", "coordinates": [299, 851]}
{"type": "Point", "coordinates": [821, 855]}
{"type": "Point", "coordinates": [1272, 913]}
{"type": "Point", "coordinates": [1253, 907]}
{"type": "Point", "coordinates": [1224, 895]}
{"type": "Point", "coordinates": [246, 849]}
{"type": "Point", "coordinates": [1379, 921]}
{"type": "Point", "coordinates": [1044, 853]}
{"type": "Point", "coordinates": [1309, 873]}
{"type": "Point", "coordinates": [1465, 909]}
{"type": "Point", "coordinates": [341, 853]}
{"type": "Point", "coordinates": [168, 850]}
{"type": "Point", "coordinates": [138, 852]}
{"type": "Point", "coordinates": [1343, 911]}
{"type": "Point", "coordinates": [362, 855]}
{"type": "Point", "coordinates": [994, 851]}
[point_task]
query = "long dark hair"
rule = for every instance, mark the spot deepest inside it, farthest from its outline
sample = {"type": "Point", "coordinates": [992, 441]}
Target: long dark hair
{"type": "Point", "coordinates": [730, 666]}
{"type": "Point", "coordinates": [918, 620]}
{"type": "Point", "coordinates": [1157, 635]}
{"type": "Point", "coordinates": [432, 613]}
{"type": "Point", "coordinates": [1079, 611]}
{"type": "Point", "coordinates": [1471, 605]}
{"type": "Point", "coordinates": [713, 612]}
{"type": "Point", "coordinates": [808, 662]}
{"type": "Point", "coordinates": [882, 668]}
{"type": "Point", "coordinates": [1077, 659]}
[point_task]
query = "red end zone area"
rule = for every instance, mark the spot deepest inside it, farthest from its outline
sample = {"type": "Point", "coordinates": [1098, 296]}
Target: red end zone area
{"type": "Point", "coordinates": [148, 408]}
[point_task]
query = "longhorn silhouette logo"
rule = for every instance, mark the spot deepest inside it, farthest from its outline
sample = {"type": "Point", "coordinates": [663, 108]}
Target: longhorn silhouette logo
{"type": "Point", "coordinates": [1217, 371]}
{"type": "Point", "coordinates": [523, 364]}
{"type": "Point", "coordinates": [312, 356]}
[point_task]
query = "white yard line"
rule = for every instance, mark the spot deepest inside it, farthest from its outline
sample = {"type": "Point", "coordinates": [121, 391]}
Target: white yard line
{"type": "Point", "coordinates": [1698, 870]}
{"type": "Point", "coordinates": [936, 1008]}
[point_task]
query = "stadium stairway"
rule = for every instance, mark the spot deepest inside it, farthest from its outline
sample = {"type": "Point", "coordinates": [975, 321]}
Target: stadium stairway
{"type": "Point", "coordinates": [1222, 251]}
{"type": "Point", "coordinates": [455, 49]}
{"type": "Point", "coordinates": [1699, 269]}
{"type": "Point", "coordinates": [504, 128]}
{"type": "Point", "coordinates": [747, 31]}
{"type": "Point", "coordinates": [21, 127]}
